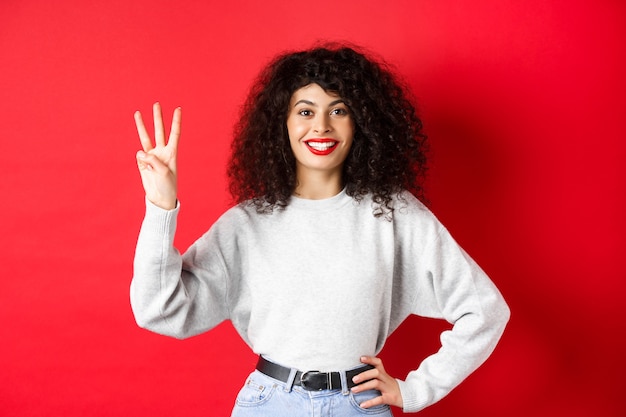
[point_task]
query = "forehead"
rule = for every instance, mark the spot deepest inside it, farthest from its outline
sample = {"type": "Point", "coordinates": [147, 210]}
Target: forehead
{"type": "Point", "coordinates": [313, 93]}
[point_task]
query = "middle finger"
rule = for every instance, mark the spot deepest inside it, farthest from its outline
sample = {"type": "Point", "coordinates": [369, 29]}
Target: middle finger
{"type": "Point", "coordinates": [366, 375]}
{"type": "Point", "coordinates": [159, 130]}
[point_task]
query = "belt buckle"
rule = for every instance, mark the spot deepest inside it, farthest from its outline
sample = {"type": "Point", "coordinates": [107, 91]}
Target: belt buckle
{"type": "Point", "coordinates": [314, 380]}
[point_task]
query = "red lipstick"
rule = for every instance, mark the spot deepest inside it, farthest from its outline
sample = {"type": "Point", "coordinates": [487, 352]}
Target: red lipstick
{"type": "Point", "coordinates": [322, 146]}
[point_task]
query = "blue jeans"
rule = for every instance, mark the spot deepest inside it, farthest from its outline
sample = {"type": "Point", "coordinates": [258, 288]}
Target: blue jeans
{"type": "Point", "coordinates": [265, 396]}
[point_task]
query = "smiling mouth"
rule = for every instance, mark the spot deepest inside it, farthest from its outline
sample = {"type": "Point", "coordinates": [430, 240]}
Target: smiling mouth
{"type": "Point", "coordinates": [321, 146]}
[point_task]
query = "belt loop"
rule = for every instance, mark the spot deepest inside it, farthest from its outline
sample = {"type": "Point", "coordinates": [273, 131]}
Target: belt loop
{"type": "Point", "coordinates": [291, 379]}
{"type": "Point", "coordinates": [344, 383]}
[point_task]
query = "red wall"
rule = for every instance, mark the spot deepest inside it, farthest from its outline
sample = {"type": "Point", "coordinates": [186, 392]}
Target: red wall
{"type": "Point", "coordinates": [523, 102]}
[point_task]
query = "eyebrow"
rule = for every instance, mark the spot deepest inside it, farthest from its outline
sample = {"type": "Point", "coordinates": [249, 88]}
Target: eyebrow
{"type": "Point", "coordinates": [310, 103]}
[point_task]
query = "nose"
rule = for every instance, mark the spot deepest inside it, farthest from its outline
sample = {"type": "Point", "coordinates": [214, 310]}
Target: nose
{"type": "Point", "coordinates": [321, 124]}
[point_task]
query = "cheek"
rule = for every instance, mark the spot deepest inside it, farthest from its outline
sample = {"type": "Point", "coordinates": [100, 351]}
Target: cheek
{"type": "Point", "coordinates": [348, 131]}
{"type": "Point", "coordinates": [296, 131]}
{"type": "Point", "coordinates": [292, 129]}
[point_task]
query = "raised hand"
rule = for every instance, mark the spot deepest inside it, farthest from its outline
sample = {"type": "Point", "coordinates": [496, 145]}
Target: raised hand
{"type": "Point", "coordinates": [157, 164]}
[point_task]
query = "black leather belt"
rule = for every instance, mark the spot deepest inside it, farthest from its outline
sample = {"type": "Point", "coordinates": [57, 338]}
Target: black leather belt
{"type": "Point", "coordinates": [310, 380]}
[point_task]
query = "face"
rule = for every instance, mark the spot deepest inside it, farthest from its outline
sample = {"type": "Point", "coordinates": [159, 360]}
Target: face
{"type": "Point", "coordinates": [320, 130]}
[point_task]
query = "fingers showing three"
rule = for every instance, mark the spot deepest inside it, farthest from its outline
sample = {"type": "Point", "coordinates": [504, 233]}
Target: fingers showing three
{"type": "Point", "coordinates": [157, 160]}
{"type": "Point", "coordinates": [159, 129]}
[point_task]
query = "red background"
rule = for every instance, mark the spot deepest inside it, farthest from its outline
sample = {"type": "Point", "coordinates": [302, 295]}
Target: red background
{"type": "Point", "coordinates": [523, 102]}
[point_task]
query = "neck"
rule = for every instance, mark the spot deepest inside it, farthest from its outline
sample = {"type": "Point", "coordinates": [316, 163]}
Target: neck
{"type": "Point", "coordinates": [318, 185]}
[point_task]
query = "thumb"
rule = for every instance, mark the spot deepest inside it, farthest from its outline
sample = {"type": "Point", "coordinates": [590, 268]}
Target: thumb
{"type": "Point", "coordinates": [141, 161]}
{"type": "Point", "coordinates": [151, 162]}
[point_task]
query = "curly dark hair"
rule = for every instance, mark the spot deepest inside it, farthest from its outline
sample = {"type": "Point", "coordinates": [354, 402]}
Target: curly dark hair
{"type": "Point", "coordinates": [388, 154]}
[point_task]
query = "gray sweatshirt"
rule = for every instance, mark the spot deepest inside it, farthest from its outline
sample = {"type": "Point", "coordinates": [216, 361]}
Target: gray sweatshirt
{"type": "Point", "coordinates": [321, 283]}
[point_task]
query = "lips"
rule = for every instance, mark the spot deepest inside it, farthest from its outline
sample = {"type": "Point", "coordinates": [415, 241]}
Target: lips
{"type": "Point", "coordinates": [321, 146]}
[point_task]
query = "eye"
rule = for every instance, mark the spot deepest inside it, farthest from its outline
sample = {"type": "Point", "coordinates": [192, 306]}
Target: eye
{"type": "Point", "coordinates": [305, 112]}
{"type": "Point", "coordinates": [339, 111]}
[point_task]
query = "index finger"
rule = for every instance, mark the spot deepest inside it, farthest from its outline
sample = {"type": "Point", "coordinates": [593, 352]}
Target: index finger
{"type": "Point", "coordinates": [144, 136]}
{"type": "Point", "coordinates": [175, 130]}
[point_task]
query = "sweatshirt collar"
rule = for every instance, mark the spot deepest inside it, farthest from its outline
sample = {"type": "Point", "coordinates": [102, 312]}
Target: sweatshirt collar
{"type": "Point", "coordinates": [324, 204]}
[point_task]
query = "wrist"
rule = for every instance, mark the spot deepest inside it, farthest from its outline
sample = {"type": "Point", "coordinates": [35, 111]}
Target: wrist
{"type": "Point", "coordinates": [164, 205]}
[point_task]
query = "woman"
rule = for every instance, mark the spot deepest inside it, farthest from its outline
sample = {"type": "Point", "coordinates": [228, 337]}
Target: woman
{"type": "Point", "coordinates": [327, 250]}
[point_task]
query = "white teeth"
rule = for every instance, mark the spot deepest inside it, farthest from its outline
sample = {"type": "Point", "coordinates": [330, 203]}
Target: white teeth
{"type": "Point", "coordinates": [321, 146]}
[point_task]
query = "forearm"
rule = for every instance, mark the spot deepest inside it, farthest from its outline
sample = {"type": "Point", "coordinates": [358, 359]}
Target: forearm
{"type": "Point", "coordinates": [174, 295]}
{"type": "Point", "coordinates": [157, 266]}
{"type": "Point", "coordinates": [464, 348]}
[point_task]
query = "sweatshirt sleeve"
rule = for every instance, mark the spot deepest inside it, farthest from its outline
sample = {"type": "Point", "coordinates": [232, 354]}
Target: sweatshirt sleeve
{"type": "Point", "coordinates": [453, 287]}
{"type": "Point", "coordinates": [170, 294]}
